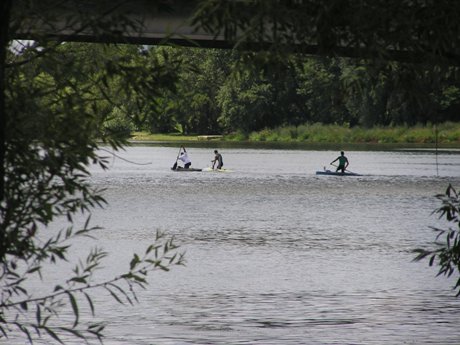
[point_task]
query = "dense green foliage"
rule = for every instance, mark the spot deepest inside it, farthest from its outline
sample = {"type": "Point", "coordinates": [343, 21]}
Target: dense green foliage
{"type": "Point", "coordinates": [221, 91]}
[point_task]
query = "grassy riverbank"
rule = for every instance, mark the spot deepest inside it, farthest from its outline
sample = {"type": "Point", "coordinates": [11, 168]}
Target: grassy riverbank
{"type": "Point", "coordinates": [447, 133]}
{"type": "Point", "coordinates": [145, 136]}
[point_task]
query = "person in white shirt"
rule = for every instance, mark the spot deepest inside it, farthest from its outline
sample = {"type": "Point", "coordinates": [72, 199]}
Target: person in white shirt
{"type": "Point", "coordinates": [185, 158]}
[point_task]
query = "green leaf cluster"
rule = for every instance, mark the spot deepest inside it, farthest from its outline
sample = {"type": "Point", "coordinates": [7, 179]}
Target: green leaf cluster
{"type": "Point", "coordinates": [446, 253]}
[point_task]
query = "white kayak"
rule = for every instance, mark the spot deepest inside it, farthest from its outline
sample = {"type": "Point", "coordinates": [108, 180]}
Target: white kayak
{"type": "Point", "coordinates": [223, 170]}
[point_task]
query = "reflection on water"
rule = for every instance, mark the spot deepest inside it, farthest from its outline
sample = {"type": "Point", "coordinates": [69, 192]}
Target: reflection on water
{"type": "Point", "coordinates": [278, 255]}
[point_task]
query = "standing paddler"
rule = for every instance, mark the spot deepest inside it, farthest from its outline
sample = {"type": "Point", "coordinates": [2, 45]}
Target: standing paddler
{"type": "Point", "coordinates": [343, 162]}
{"type": "Point", "coordinates": [217, 160]}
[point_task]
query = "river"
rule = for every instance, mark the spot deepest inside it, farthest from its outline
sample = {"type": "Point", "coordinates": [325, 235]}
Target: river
{"type": "Point", "coordinates": [276, 254]}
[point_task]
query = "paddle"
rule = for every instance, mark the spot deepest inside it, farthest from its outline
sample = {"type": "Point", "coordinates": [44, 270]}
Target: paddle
{"type": "Point", "coordinates": [351, 172]}
{"type": "Point", "coordinates": [174, 167]}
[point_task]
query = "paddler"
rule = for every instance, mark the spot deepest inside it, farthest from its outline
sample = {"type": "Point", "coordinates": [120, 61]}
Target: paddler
{"type": "Point", "coordinates": [343, 162]}
{"type": "Point", "coordinates": [217, 159]}
{"type": "Point", "coordinates": [185, 158]}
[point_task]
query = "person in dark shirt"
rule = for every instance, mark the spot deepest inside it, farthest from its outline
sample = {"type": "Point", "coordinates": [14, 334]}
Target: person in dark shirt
{"type": "Point", "coordinates": [217, 159]}
{"type": "Point", "coordinates": [343, 162]}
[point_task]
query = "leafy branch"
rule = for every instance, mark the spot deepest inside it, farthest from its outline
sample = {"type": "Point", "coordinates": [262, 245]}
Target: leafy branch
{"type": "Point", "coordinates": [161, 255]}
{"type": "Point", "coordinates": [446, 253]}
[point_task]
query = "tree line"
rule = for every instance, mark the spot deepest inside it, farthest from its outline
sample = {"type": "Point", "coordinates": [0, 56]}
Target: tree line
{"type": "Point", "coordinates": [212, 91]}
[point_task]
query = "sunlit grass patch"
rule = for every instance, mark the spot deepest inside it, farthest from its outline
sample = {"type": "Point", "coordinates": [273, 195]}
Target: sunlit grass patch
{"type": "Point", "coordinates": [145, 136]}
{"type": "Point", "coordinates": [320, 133]}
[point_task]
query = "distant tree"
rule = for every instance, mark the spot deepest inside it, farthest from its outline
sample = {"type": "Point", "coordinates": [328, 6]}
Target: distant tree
{"type": "Point", "coordinates": [321, 88]}
{"type": "Point", "coordinates": [247, 103]}
{"type": "Point", "coordinates": [260, 92]}
{"type": "Point", "coordinates": [201, 76]}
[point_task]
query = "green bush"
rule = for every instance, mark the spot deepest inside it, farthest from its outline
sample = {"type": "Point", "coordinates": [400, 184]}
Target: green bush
{"type": "Point", "coordinates": [332, 133]}
{"type": "Point", "coordinates": [261, 135]}
{"type": "Point", "coordinates": [237, 136]}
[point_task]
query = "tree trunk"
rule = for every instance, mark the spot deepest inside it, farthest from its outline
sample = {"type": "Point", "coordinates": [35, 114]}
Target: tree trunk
{"type": "Point", "coordinates": [5, 10]}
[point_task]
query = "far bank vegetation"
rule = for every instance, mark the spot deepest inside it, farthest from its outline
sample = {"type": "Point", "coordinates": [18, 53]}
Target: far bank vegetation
{"type": "Point", "coordinates": [245, 96]}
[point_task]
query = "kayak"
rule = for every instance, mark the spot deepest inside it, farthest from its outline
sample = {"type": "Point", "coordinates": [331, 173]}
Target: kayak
{"type": "Point", "coordinates": [179, 169]}
{"type": "Point", "coordinates": [333, 173]}
{"type": "Point", "coordinates": [217, 170]}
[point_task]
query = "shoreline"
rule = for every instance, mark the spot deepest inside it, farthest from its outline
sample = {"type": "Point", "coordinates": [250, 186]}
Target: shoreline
{"type": "Point", "coordinates": [290, 145]}
{"type": "Point", "coordinates": [445, 135]}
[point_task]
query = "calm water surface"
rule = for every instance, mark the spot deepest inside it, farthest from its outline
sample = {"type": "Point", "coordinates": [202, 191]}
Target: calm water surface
{"type": "Point", "coordinates": [276, 254]}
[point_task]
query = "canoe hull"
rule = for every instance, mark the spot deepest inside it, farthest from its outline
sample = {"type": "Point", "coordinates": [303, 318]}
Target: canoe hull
{"type": "Point", "coordinates": [333, 173]}
{"type": "Point", "coordinates": [186, 170]}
